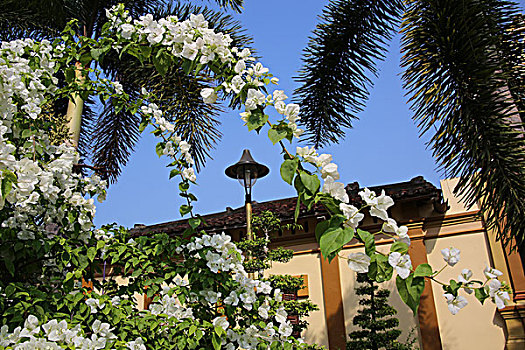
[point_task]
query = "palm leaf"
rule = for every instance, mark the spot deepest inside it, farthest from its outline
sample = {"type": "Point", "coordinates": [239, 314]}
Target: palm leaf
{"type": "Point", "coordinates": [30, 18]}
{"type": "Point", "coordinates": [338, 62]}
{"type": "Point", "coordinates": [458, 85]}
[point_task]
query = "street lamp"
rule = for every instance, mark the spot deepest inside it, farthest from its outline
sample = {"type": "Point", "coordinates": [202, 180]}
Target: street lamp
{"type": "Point", "coordinates": [247, 171]}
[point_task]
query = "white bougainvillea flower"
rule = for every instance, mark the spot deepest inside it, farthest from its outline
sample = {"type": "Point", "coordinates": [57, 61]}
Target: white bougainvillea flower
{"type": "Point", "coordinates": [493, 286]}
{"type": "Point", "coordinates": [253, 99]}
{"type": "Point", "coordinates": [232, 299]}
{"type": "Point", "coordinates": [137, 344]}
{"type": "Point", "coordinates": [208, 95]}
{"type": "Point", "coordinates": [451, 255]}
{"type": "Point", "coordinates": [237, 84]}
{"type": "Point", "coordinates": [285, 329]}
{"type": "Point", "coordinates": [280, 107]}
{"type": "Point", "coordinates": [309, 154]}
{"type": "Point", "coordinates": [189, 174]}
{"type": "Point", "coordinates": [280, 315]}
{"type": "Point", "coordinates": [240, 67]}
{"type": "Point", "coordinates": [322, 160]}
{"type": "Point", "coordinates": [221, 321]}
{"type": "Point", "coordinates": [190, 51]}
{"type": "Point", "coordinates": [464, 278]}
{"type": "Point", "coordinates": [279, 95]}
{"type": "Point", "coordinates": [330, 169]}
{"type": "Point", "coordinates": [491, 272]}
{"type": "Point", "coordinates": [465, 275]}
{"type": "Point", "coordinates": [335, 189]}
{"type": "Point", "coordinates": [259, 70]}
{"type": "Point", "coordinates": [263, 311]}
{"type": "Point", "coordinates": [390, 226]}
{"type": "Point", "coordinates": [455, 303]}
{"type": "Point", "coordinates": [381, 205]}
{"type": "Point", "coordinates": [119, 89]}
{"type": "Point", "coordinates": [94, 304]}
{"type": "Point", "coordinates": [500, 298]}
{"type": "Point", "coordinates": [401, 263]}
{"type": "Point", "coordinates": [297, 132]}
{"type": "Point", "coordinates": [352, 215]}
{"type": "Point", "coordinates": [368, 196]}
{"type": "Point", "coordinates": [291, 112]}
{"type": "Point", "coordinates": [497, 293]}
{"type": "Point", "coordinates": [359, 262]}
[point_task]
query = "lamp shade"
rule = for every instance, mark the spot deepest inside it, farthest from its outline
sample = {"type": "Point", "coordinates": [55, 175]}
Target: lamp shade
{"type": "Point", "coordinates": [247, 170]}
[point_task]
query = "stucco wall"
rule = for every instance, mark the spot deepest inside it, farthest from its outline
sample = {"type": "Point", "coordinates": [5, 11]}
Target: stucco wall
{"type": "Point", "coordinates": [476, 326]}
{"type": "Point", "coordinates": [456, 205]}
{"type": "Point", "coordinates": [308, 264]}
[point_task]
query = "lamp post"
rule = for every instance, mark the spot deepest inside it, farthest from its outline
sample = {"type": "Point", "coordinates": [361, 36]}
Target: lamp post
{"type": "Point", "coordinates": [247, 171]}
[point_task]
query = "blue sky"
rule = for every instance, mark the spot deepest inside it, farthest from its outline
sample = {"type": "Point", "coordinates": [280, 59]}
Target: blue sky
{"type": "Point", "coordinates": [383, 147]}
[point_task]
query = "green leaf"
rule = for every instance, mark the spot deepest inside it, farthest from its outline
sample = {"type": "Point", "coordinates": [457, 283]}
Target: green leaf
{"type": "Point", "coordinates": [159, 149]}
{"type": "Point", "coordinates": [399, 247]}
{"type": "Point", "coordinates": [194, 222]}
{"type": "Point", "coordinates": [276, 135]}
{"type": "Point", "coordinates": [410, 290]}
{"type": "Point", "coordinates": [369, 241]}
{"type": "Point", "coordinates": [216, 341]}
{"type": "Point", "coordinates": [380, 270]}
{"type": "Point", "coordinates": [10, 266]}
{"type": "Point", "coordinates": [321, 228]}
{"type": "Point", "coordinates": [145, 50]}
{"type": "Point", "coordinates": [219, 331]}
{"type": "Point", "coordinates": [328, 202]}
{"type": "Point", "coordinates": [256, 120]}
{"type": "Point", "coordinates": [310, 182]}
{"type": "Point", "coordinates": [481, 294]}
{"type": "Point", "coordinates": [288, 169]}
{"type": "Point", "coordinates": [453, 287]}
{"type": "Point", "coordinates": [161, 62]}
{"type": "Point", "coordinates": [174, 172]}
{"type": "Point", "coordinates": [423, 270]}
{"type": "Point", "coordinates": [96, 53]}
{"type": "Point", "coordinates": [297, 209]}
{"type": "Point", "coordinates": [185, 209]}
{"type": "Point", "coordinates": [335, 237]}
{"type": "Point", "coordinates": [186, 66]}
{"type": "Point", "coordinates": [7, 182]}
{"type": "Point", "coordinates": [91, 253]}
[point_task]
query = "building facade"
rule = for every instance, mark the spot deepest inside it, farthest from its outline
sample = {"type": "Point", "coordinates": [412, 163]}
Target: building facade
{"type": "Point", "coordinates": [436, 219]}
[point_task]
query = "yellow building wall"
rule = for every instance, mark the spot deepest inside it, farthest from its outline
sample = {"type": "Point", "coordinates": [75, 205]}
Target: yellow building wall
{"type": "Point", "coordinates": [476, 326]}
{"type": "Point", "coordinates": [407, 321]}
{"type": "Point", "coordinates": [308, 264]}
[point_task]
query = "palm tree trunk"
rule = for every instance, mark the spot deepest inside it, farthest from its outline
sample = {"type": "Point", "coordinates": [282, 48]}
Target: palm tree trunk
{"type": "Point", "coordinates": [74, 109]}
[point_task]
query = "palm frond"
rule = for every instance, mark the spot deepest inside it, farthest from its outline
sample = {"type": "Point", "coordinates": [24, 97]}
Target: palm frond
{"type": "Point", "coordinates": [458, 86]}
{"type": "Point", "coordinates": [235, 5]}
{"type": "Point", "coordinates": [116, 135]}
{"type": "Point", "coordinates": [30, 18]}
{"type": "Point", "coordinates": [338, 62]}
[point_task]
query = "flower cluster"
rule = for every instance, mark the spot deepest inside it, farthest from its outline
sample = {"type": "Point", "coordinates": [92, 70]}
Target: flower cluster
{"type": "Point", "coordinates": [56, 334]}
{"type": "Point", "coordinates": [172, 142]}
{"type": "Point", "coordinates": [25, 95]}
{"type": "Point", "coordinates": [248, 295]}
{"type": "Point", "coordinates": [192, 40]}
{"type": "Point", "coordinates": [42, 186]}
{"type": "Point", "coordinates": [493, 288]}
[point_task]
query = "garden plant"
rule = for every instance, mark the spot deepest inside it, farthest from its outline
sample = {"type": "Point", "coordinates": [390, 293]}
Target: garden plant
{"type": "Point", "coordinates": [202, 296]}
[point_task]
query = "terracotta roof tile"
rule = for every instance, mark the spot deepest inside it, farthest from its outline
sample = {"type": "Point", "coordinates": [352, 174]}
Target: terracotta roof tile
{"type": "Point", "coordinates": [417, 188]}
